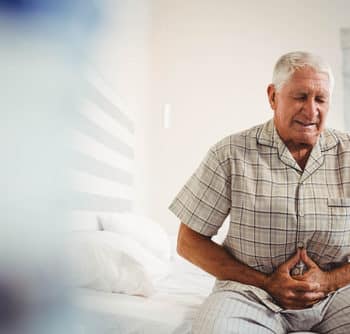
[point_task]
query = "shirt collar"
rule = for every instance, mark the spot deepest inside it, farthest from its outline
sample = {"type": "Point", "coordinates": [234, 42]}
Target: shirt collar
{"type": "Point", "coordinates": [268, 136]}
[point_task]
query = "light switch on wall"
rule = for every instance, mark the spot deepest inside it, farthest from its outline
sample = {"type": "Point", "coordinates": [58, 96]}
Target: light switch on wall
{"type": "Point", "coordinates": [166, 116]}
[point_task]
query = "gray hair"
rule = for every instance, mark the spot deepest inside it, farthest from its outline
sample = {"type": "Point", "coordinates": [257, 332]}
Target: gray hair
{"type": "Point", "coordinates": [290, 62]}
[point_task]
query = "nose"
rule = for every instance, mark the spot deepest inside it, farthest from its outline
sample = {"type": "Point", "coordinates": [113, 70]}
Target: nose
{"type": "Point", "coordinates": [310, 109]}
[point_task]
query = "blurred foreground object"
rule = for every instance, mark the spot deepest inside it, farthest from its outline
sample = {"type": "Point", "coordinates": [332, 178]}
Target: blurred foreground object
{"type": "Point", "coordinates": [42, 45]}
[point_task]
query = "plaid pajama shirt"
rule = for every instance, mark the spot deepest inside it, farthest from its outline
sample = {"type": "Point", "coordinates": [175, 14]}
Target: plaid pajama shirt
{"type": "Point", "coordinates": [274, 205]}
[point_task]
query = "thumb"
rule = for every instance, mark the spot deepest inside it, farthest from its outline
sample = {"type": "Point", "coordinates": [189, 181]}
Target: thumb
{"type": "Point", "coordinates": [305, 258]}
{"type": "Point", "coordinates": [290, 263]}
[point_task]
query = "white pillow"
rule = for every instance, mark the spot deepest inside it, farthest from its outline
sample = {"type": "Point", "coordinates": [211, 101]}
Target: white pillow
{"type": "Point", "coordinates": [142, 229]}
{"type": "Point", "coordinates": [110, 262]}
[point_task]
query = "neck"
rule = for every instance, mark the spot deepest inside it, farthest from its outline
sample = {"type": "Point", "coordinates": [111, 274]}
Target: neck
{"type": "Point", "coordinates": [300, 153]}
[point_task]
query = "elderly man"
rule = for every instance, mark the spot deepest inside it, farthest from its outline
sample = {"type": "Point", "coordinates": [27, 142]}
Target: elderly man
{"type": "Point", "coordinates": [286, 185]}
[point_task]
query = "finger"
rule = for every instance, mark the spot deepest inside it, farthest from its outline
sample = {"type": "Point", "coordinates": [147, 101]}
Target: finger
{"type": "Point", "coordinates": [311, 303]}
{"type": "Point", "coordinates": [308, 296]}
{"type": "Point", "coordinates": [290, 263]}
{"type": "Point", "coordinates": [302, 286]}
{"type": "Point", "coordinates": [292, 300]}
{"type": "Point", "coordinates": [306, 304]}
{"type": "Point", "coordinates": [306, 259]}
{"type": "Point", "coordinates": [301, 301]}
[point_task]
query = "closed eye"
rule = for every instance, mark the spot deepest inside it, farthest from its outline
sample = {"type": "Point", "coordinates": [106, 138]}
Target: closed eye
{"type": "Point", "coordinates": [300, 98]}
{"type": "Point", "coordinates": [320, 99]}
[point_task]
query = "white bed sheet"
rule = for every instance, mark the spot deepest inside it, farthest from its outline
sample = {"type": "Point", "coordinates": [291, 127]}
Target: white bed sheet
{"type": "Point", "coordinates": [170, 310]}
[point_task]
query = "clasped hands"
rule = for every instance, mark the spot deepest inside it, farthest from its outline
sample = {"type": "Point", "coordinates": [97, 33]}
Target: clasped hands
{"type": "Point", "coordinates": [298, 292]}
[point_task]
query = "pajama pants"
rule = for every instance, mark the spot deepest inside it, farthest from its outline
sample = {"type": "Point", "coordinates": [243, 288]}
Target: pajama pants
{"type": "Point", "coordinates": [228, 312]}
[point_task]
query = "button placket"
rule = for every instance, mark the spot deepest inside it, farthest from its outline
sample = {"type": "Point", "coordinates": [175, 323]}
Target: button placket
{"type": "Point", "coordinates": [300, 216]}
{"type": "Point", "coordinates": [301, 211]}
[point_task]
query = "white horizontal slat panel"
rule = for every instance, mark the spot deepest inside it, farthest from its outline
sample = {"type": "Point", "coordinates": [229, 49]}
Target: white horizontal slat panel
{"type": "Point", "coordinates": [84, 182]}
{"type": "Point", "coordinates": [98, 151]}
{"type": "Point", "coordinates": [95, 114]}
{"type": "Point", "coordinates": [94, 78]}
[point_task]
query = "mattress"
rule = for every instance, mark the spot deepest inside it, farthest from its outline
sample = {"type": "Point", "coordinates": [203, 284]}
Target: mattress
{"type": "Point", "coordinates": [170, 310]}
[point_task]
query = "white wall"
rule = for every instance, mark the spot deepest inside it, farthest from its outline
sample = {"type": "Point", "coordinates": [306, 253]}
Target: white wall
{"type": "Point", "coordinates": [121, 55]}
{"type": "Point", "coordinates": [212, 61]}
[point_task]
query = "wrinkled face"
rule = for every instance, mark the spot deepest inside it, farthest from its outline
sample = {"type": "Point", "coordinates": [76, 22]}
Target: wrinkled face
{"type": "Point", "coordinates": [300, 107]}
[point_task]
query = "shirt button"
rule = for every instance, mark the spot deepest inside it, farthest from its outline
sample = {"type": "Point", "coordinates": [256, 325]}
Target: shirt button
{"type": "Point", "coordinates": [300, 244]}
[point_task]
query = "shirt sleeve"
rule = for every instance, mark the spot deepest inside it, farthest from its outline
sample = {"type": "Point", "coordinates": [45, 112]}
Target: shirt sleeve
{"type": "Point", "coordinates": [205, 200]}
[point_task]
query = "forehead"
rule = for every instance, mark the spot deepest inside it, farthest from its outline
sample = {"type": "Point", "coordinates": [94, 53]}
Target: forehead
{"type": "Point", "coordinates": [308, 80]}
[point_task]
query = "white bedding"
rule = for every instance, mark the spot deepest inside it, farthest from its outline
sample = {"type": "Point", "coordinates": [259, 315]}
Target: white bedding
{"type": "Point", "coordinates": [170, 310]}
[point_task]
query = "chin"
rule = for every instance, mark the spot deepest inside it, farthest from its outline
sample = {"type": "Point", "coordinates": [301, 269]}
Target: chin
{"type": "Point", "coordinates": [307, 141]}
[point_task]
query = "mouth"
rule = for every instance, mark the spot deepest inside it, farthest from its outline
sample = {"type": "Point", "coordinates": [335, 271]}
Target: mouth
{"type": "Point", "coordinates": [306, 125]}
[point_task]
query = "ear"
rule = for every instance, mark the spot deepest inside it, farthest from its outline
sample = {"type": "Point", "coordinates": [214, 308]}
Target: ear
{"type": "Point", "coordinates": [271, 93]}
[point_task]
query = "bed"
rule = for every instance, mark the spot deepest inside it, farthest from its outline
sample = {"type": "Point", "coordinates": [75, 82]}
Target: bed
{"type": "Point", "coordinates": [131, 280]}
{"type": "Point", "coordinates": [170, 309]}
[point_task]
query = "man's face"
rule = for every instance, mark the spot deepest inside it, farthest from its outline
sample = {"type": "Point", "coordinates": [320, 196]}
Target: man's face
{"type": "Point", "coordinates": [300, 107]}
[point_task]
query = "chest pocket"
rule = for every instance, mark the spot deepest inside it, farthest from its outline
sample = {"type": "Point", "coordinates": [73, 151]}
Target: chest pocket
{"type": "Point", "coordinates": [339, 221]}
{"type": "Point", "coordinates": [339, 207]}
